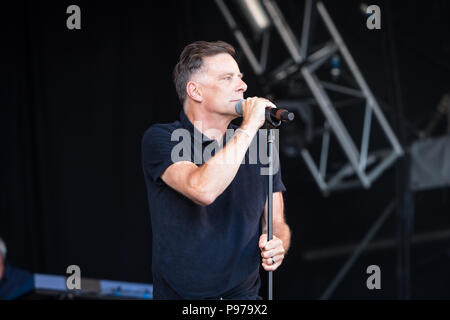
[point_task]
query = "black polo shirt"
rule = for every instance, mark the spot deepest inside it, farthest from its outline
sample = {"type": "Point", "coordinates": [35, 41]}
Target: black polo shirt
{"type": "Point", "coordinates": [201, 252]}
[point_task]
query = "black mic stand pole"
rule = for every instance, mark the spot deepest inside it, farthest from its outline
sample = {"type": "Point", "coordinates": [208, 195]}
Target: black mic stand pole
{"type": "Point", "coordinates": [270, 125]}
{"type": "Point", "coordinates": [270, 204]}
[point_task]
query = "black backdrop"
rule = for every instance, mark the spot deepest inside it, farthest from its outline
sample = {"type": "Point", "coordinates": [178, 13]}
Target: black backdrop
{"type": "Point", "coordinates": [75, 104]}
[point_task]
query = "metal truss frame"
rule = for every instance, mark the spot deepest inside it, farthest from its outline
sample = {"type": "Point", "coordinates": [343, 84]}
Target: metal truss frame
{"type": "Point", "coordinates": [355, 172]}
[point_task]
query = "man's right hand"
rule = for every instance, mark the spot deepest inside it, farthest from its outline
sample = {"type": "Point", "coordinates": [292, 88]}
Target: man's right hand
{"type": "Point", "coordinates": [254, 112]}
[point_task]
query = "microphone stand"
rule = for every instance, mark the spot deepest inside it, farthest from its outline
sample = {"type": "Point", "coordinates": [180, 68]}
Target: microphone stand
{"type": "Point", "coordinates": [270, 124]}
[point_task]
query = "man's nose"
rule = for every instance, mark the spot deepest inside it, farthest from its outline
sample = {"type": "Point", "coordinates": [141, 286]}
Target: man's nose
{"type": "Point", "coordinates": [242, 86]}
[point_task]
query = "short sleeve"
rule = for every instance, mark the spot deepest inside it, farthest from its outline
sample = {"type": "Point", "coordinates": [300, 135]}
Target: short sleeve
{"type": "Point", "coordinates": [157, 147]}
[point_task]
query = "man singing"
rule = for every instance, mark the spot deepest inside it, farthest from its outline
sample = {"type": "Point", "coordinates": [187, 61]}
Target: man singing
{"type": "Point", "coordinates": [207, 213]}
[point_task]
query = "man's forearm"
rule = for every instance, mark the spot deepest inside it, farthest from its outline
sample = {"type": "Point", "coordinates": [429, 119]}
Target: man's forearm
{"type": "Point", "coordinates": [283, 232]}
{"type": "Point", "coordinates": [215, 175]}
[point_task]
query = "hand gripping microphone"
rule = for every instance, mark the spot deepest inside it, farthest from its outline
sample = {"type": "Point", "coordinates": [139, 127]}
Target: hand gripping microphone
{"type": "Point", "coordinates": [272, 114]}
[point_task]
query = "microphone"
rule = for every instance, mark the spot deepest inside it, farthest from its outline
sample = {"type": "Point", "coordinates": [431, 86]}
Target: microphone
{"type": "Point", "coordinates": [271, 113]}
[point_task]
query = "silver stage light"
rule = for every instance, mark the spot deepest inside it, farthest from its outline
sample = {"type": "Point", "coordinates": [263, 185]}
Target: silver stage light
{"type": "Point", "coordinates": [255, 15]}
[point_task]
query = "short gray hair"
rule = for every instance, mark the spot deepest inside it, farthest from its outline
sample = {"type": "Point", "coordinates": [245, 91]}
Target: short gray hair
{"type": "Point", "coordinates": [3, 248]}
{"type": "Point", "coordinates": [191, 60]}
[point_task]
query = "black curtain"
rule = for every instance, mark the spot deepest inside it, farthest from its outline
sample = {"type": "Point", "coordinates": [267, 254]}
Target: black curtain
{"type": "Point", "coordinates": [75, 103]}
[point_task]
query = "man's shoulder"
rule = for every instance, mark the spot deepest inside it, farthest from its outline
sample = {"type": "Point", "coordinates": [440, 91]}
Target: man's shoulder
{"type": "Point", "coordinates": [161, 129]}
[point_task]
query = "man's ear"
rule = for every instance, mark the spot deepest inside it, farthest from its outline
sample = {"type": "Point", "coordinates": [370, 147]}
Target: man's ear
{"type": "Point", "coordinates": [194, 91]}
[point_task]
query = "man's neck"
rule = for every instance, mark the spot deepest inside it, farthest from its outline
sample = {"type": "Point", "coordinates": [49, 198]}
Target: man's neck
{"type": "Point", "coordinates": [212, 125]}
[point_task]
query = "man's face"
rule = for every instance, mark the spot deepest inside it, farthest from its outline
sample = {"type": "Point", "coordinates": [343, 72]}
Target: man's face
{"type": "Point", "coordinates": [221, 83]}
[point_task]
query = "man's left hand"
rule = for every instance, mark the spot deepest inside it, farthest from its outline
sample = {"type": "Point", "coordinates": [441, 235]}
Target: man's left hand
{"type": "Point", "coordinates": [272, 252]}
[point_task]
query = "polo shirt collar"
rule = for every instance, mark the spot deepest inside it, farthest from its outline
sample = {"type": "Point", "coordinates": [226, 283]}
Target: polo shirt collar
{"type": "Point", "coordinates": [194, 131]}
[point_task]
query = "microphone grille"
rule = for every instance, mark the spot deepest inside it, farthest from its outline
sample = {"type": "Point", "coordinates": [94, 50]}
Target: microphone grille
{"type": "Point", "coordinates": [238, 107]}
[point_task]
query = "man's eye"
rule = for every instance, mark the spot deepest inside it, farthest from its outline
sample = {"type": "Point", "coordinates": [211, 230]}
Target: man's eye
{"type": "Point", "coordinates": [228, 78]}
